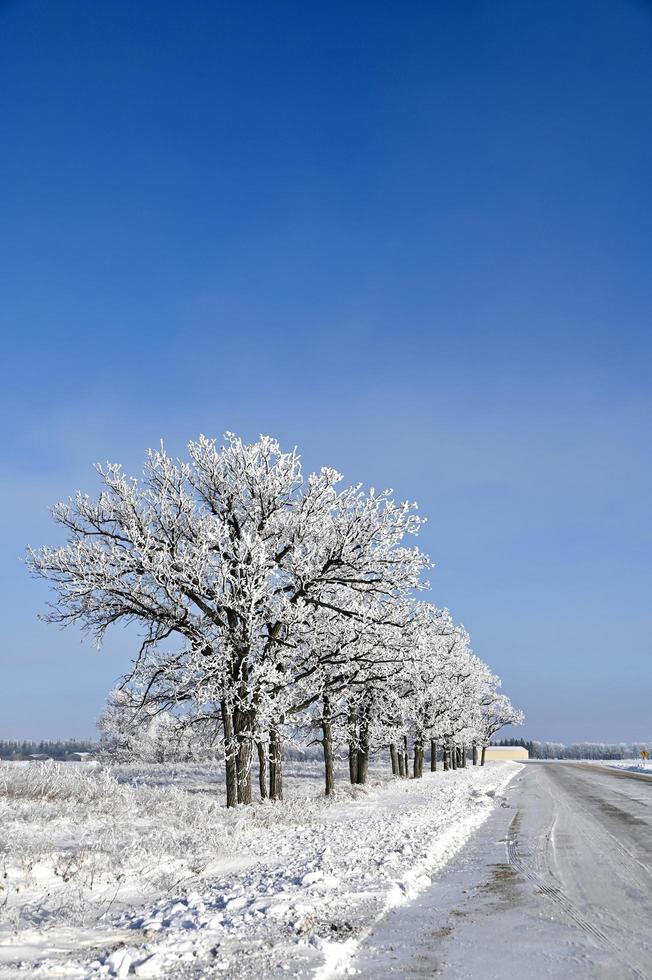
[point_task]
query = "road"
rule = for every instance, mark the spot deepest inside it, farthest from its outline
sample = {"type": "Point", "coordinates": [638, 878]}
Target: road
{"type": "Point", "coordinates": [557, 884]}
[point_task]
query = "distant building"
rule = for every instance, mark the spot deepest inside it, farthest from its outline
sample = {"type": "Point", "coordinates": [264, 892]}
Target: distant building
{"type": "Point", "coordinates": [79, 756]}
{"type": "Point", "coordinates": [505, 752]}
{"type": "Point", "coordinates": [38, 757]}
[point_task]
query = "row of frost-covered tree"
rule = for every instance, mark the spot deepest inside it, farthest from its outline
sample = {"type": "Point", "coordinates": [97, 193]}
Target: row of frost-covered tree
{"type": "Point", "coordinates": [271, 605]}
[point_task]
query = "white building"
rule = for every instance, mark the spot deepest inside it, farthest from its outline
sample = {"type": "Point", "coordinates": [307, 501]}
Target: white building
{"type": "Point", "coordinates": [504, 752]}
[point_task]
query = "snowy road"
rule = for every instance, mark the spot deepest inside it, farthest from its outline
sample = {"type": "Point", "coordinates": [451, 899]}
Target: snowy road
{"type": "Point", "coordinates": [556, 884]}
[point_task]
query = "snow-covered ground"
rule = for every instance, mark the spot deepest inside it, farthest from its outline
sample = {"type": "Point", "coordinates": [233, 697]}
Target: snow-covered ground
{"type": "Point", "coordinates": [142, 870]}
{"type": "Point", "coordinates": [631, 765]}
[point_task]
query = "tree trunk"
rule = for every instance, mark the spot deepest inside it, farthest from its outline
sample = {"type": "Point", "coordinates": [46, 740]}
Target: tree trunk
{"type": "Point", "coordinates": [401, 764]}
{"type": "Point", "coordinates": [262, 769]}
{"type": "Point", "coordinates": [275, 765]}
{"type": "Point", "coordinates": [363, 767]}
{"type": "Point", "coordinates": [417, 766]}
{"type": "Point", "coordinates": [433, 755]}
{"type": "Point", "coordinates": [475, 754]}
{"type": "Point", "coordinates": [393, 755]}
{"type": "Point", "coordinates": [363, 749]}
{"type": "Point", "coordinates": [353, 762]}
{"type": "Point", "coordinates": [463, 756]}
{"type": "Point", "coordinates": [242, 731]}
{"type": "Point", "coordinates": [243, 763]}
{"type": "Point", "coordinates": [484, 749]}
{"type": "Point", "coordinates": [446, 757]}
{"type": "Point", "coordinates": [406, 756]}
{"type": "Point", "coordinates": [453, 756]}
{"type": "Point", "coordinates": [229, 756]}
{"type": "Point", "coordinates": [353, 752]}
{"type": "Point", "coordinates": [327, 733]}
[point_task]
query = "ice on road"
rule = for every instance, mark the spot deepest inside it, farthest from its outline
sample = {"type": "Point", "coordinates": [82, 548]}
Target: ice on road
{"type": "Point", "coordinates": [556, 884]}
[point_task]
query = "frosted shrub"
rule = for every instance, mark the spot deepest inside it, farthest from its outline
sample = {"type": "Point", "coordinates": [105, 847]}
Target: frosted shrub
{"type": "Point", "coordinates": [55, 781]}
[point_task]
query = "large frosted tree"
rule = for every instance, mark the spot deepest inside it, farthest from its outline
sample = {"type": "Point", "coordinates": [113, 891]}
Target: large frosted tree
{"type": "Point", "coordinates": [224, 561]}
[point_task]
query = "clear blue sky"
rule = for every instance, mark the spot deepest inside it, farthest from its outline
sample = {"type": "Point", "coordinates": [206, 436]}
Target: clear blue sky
{"type": "Point", "coordinates": [412, 238]}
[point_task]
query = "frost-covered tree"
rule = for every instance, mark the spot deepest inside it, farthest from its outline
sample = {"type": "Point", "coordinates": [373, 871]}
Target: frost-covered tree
{"type": "Point", "coordinates": [224, 561]}
{"type": "Point", "coordinates": [135, 731]}
{"type": "Point", "coordinates": [495, 711]}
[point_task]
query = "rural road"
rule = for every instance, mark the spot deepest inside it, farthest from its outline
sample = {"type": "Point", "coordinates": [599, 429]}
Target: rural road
{"type": "Point", "coordinates": [556, 884]}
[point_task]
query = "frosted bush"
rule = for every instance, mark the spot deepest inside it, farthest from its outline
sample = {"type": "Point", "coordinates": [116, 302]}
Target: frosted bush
{"type": "Point", "coordinates": [55, 781]}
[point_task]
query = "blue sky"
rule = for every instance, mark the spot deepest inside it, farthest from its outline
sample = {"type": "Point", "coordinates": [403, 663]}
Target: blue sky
{"type": "Point", "coordinates": [411, 238]}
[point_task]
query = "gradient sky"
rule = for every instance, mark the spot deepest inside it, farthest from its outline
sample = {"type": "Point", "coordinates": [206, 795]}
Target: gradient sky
{"type": "Point", "coordinates": [413, 239]}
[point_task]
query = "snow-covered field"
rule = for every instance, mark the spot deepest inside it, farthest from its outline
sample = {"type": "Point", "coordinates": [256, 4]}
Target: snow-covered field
{"type": "Point", "coordinates": [632, 765]}
{"type": "Point", "coordinates": [143, 871]}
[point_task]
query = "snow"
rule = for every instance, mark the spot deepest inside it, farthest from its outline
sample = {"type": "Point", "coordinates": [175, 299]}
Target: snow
{"type": "Point", "coordinates": [631, 765]}
{"type": "Point", "coordinates": [117, 874]}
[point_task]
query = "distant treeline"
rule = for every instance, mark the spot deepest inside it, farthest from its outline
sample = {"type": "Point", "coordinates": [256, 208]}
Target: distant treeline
{"type": "Point", "coordinates": [580, 750]}
{"type": "Point", "coordinates": [16, 750]}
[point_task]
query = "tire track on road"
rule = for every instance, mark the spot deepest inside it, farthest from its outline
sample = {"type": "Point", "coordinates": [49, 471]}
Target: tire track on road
{"type": "Point", "coordinates": [524, 866]}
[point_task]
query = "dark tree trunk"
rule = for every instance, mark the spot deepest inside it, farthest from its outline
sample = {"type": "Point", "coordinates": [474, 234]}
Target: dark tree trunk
{"type": "Point", "coordinates": [406, 756]}
{"type": "Point", "coordinates": [275, 765]}
{"type": "Point", "coordinates": [417, 766]}
{"type": "Point", "coordinates": [446, 758]}
{"type": "Point", "coordinates": [229, 756]}
{"type": "Point", "coordinates": [484, 749]}
{"type": "Point", "coordinates": [463, 756]}
{"type": "Point", "coordinates": [262, 769]}
{"type": "Point", "coordinates": [353, 763]}
{"type": "Point", "coordinates": [363, 767]}
{"type": "Point", "coordinates": [454, 757]}
{"type": "Point", "coordinates": [401, 764]}
{"type": "Point", "coordinates": [475, 754]}
{"type": "Point", "coordinates": [393, 755]}
{"type": "Point", "coordinates": [363, 748]}
{"type": "Point", "coordinates": [433, 755]}
{"type": "Point", "coordinates": [242, 731]}
{"type": "Point", "coordinates": [353, 751]}
{"type": "Point", "coordinates": [327, 733]}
